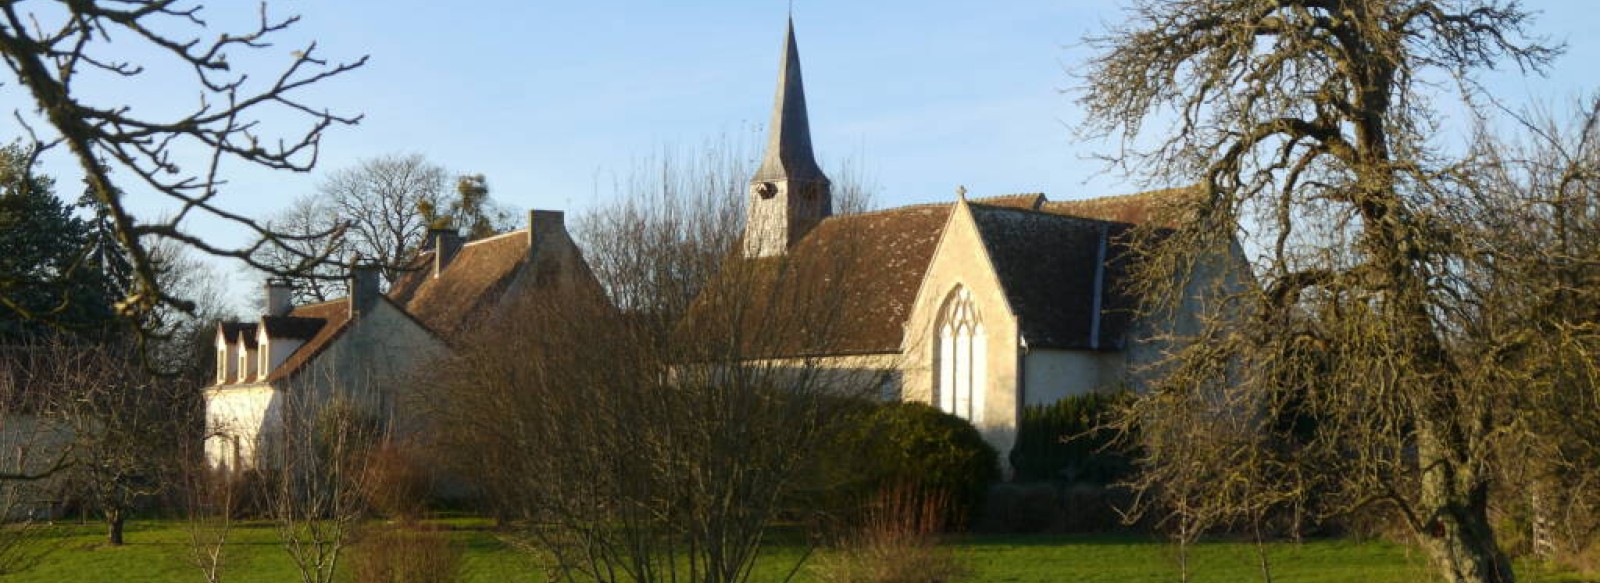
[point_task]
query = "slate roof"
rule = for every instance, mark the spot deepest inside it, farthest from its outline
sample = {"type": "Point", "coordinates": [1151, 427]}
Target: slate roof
{"type": "Point", "coordinates": [232, 330]}
{"type": "Point", "coordinates": [291, 326]}
{"type": "Point", "coordinates": [334, 318]}
{"type": "Point", "coordinates": [789, 155]}
{"type": "Point", "coordinates": [1050, 268]}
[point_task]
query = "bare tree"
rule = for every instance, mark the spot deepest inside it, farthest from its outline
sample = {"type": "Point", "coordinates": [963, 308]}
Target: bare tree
{"type": "Point", "coordinates": [49, 48]}
{"type": "Point", "coordinates": [386, 205]}
{"type": "Point", "coordinates": [383, 200]}
{"type": "Point", "coordinates": [1538, 221]}
{"type": "Point", "coordinates": [308, 218]}
{"type": "Point", "coordinates": [125, 424]}
{"type": "Point", "coordinates": [208, 501]}
{"type": "Point", "coordinates": [672, 431]}
{"type": "Point", "coordinates": [1350, 379]}
{"type": "Point", "coordinates": [35, 453]}
{"type": "Point", "coordinates": [313, 477]}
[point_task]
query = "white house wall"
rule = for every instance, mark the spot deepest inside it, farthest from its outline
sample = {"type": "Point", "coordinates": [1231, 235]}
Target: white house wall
{"type": "Point", "coordinates": [371, 361]}
{"type": "Point", "coordinates": [279, 349]}
{"type": "Point", "coordinates": [1053, 375]}
{"type": "Point", "coordinates": [1151, 337]}
{"type": "Point", "coordinates": [365, 365]}
{"type": "Point", "coordinates": [875, 375]}
{"type": "Point", "coordinates": [239, 418]}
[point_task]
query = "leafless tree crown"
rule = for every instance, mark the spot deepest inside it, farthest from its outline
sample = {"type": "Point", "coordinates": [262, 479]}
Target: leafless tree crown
{"type": "Point", "coordinates": [122, 151]}
{"type": "Point", "coordinates": [1350, 377]}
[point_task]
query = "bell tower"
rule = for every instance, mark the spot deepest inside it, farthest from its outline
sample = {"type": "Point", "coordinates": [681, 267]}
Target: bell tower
{"type": "Point", "coordinates": [789, 194]}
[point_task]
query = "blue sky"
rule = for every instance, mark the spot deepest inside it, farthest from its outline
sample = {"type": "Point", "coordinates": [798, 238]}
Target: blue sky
{"type": "Point", "coordinates": [553, 100]}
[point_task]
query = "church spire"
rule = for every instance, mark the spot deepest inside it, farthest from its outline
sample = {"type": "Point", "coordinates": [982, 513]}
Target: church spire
{"type": "Point", "coordinates": [789, 193]}
{"type": "Point", "coordinates": [789, 153]}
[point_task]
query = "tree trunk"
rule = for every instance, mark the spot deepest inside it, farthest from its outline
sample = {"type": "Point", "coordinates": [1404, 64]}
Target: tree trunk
{"type": "Point", "coordinates": [1457, 534]}
{"type": "Point", "coordinates": [114, 522]}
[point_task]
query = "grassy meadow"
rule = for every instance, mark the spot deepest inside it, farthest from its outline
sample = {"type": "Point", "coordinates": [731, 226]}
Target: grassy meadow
{"type": "Point", "coordinates": [158, 552]}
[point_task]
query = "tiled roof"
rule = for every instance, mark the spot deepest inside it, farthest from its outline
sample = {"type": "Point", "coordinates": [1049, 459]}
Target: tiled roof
{"type": "Point", "coordinates": [474, 280]}
{"type": "Point", "coordinates": [1044, 253]}
{"type": "Point", "coordinates": [335, 318]}
{"type": "Point", "coordinates": [1048, 266]}
{"type": "Point", "coordinates": [846, 288]}
{"type": "Point", "coordinates": [411, 278]}
{"type": "Point", "coordinates": [1027, 201]}
{"type": "Point", "coordinates": [889, 252]}
{"type": "Point", "coordinates": [1135, 208]}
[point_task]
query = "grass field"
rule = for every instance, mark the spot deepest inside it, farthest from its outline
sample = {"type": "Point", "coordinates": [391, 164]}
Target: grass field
{"type": "Point", "coordinates": [157, 552]}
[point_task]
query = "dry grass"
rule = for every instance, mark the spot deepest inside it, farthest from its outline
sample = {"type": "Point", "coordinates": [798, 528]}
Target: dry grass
{"type": "Point", "coordinates": [406, 556]}
{"type": "Point", "coordinates": [898, 541]}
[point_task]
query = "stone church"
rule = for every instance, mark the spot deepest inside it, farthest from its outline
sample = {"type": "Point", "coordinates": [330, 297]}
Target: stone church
{"type": "Point", "coordinates": [981, 306]}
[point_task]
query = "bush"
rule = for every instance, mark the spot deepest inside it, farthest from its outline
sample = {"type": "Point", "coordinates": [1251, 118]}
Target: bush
{"type": "Point", "coordinates": [897, 542]}
{"type": "Point", "coordinates": [396, 556]}
{"type": "Point", "coordinates": [1066, 441]}
{"type": "Point", "coordinates": [914, 445]}
{"type": "Point", "coordinates": [397, 483]}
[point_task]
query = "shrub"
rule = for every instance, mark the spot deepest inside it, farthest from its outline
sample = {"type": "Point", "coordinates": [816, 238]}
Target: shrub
{"type": "Point", "coordinates": [1066, 441]}
{"type": "Point", "coordinates": [398, 556]}
{"type": "Point", "coordinates": [897, 542]}
{"type": "Point", "coordinates": [397, 483]}
{"type": "Point", "coordinates": [917, 446]}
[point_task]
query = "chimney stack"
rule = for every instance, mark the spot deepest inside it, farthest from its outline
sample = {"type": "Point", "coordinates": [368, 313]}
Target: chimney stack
{"type": "Point", "coordinates": [364, 294]}
{"type": "Point", "coordinates": [446, 242]}
{"type": "Point", "coordinates": [280, 295]}
{"type": "Point", "coordinates": [541, 224]}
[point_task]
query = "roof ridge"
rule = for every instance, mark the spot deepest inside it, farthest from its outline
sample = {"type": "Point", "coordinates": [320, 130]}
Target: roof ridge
{"type": "Point", "coordinates": [1044, 213]}
{"type": "Point", "coordinates": [1152, 193]}
{"type": "Point", "coordinates": [916, 206]}
{"type": "Point", "coordinates": [1008, 195]}
{"type": "Point", "coordinates": [521, 231]}
{"type": "Point", "coordinates": [319, 304]}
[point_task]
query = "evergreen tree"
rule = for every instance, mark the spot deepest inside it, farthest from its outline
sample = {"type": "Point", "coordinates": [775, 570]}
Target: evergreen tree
{"type": "Point", "coordinates": [103, 255]}
{"type": "Point", "coordinates": [45, 273]}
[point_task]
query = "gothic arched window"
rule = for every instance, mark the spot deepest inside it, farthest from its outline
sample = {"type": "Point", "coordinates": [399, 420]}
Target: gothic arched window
{"type": "Point", "coordinates": [962, 355]}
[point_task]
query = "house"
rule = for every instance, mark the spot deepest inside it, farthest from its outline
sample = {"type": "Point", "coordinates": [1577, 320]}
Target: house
{"type": "Point", "coordinates": [361, 349]}
{"type": "Point", "coordinates": [979, 306]}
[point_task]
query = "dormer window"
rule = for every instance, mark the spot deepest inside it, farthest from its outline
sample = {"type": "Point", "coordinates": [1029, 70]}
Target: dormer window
{"type": "Point", "coordinates": [247, 359]}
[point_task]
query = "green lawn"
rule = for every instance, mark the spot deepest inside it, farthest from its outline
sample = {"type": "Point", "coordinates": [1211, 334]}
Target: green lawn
{"type": "Point", "coordinates": [157, 551]}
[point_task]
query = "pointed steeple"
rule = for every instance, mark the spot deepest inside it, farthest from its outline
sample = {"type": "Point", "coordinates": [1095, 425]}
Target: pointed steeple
{"type": "Point", "coordinates": [789, 195]}
{"type": "Point", "coordinates": [789, 155]}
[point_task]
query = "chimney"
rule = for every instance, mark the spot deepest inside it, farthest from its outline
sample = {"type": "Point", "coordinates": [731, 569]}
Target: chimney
{"type": "Point", "coordinates": [279, 296]}
{"type": "Point", "coordinates": [541, 224]}
{"type": "Point", "coordinates": [446, 242]}
{"type": "Point", "coordinates": [364, 294]}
